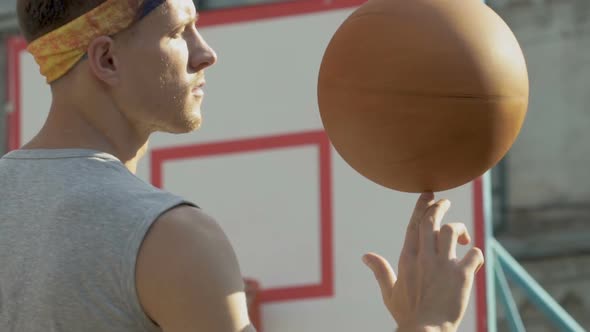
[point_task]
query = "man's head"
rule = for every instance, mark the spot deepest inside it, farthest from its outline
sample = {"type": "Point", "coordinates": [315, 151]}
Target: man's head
{"type": "Point", "coordinates": [150, 72]}
{"type": "Point", "coordinates": [38, 17]}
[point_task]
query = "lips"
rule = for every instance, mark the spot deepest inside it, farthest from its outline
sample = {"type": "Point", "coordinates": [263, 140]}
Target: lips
{"type": "Point", "coordinates": [198, 89]}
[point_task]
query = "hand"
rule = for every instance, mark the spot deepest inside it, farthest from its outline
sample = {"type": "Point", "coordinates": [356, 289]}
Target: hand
{"type": "Point", "coordinates": [433, 286]}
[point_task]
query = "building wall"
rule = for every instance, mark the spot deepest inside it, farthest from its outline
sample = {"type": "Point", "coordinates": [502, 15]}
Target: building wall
{"type": "Point", "coordinates": [548, 187]}
{"type": "Point", "coordinates": [549, 163]}
{"type": "Point", "coordinates": [547, 168]}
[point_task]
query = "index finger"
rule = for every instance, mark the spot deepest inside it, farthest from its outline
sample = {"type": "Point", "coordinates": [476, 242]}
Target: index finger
{"type": "Point", "coordinates": [411, 240]}
{"type": "Point", "coordinates": [429, 224]}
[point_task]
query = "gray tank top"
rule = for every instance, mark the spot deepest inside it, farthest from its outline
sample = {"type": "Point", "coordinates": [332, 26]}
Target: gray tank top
{"type": "Point", "coordinates": [71, 224]}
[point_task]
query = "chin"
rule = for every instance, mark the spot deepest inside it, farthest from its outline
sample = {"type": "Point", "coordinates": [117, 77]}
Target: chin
{"type": "Point", "coordinates": [184, 120]}
{"type": "Point", "coordinates": [194, 126]}
{"type": "Point", "coordinates": [188, 123]}
{"type": "Point", "coordinates": [194, 120]}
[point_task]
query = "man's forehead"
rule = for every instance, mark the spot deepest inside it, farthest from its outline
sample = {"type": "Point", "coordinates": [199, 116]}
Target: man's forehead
{"type": "Point", "coordinates": [175, 10]}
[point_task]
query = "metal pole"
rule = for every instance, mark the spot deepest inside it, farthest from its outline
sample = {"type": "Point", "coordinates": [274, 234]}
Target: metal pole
{"type": "Point", "coordinates": [556, 314]}
{"type": "Point", "coordinates": [512, 314]}
{"type": "Point", "coordinates": [489, 252]}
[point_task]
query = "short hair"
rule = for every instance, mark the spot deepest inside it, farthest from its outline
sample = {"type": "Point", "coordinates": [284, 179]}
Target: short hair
{"type": "Point", "coordinates": [39, 17]}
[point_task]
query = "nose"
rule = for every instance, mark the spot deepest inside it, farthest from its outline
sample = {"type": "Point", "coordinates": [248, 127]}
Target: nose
{"type": "Point", "coordinates": [202, 55]}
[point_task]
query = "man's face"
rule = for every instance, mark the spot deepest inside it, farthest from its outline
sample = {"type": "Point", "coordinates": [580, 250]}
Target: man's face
{"type": "Point", "coordinates": [163, 58]}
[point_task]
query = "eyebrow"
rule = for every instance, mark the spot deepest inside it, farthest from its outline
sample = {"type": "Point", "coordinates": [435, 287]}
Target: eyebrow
{"type": "Point", "coordinates": [190, 20]}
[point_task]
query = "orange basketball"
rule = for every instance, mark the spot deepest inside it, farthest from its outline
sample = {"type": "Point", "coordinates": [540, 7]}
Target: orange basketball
{"type": "Point", "coordinates": [423, 95]}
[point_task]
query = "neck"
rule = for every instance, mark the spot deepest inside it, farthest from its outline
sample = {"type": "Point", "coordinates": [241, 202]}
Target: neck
{"type": "Point", "coordinates": [102, 129]}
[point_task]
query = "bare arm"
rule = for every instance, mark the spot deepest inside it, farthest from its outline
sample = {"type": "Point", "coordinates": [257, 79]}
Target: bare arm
{"type": "Point", "coordinates": [188, 278]}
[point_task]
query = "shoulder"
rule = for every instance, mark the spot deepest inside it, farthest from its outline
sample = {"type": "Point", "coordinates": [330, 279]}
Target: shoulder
{"type": "Point", "coordinates": [187, 273]}
{"type": "Point", "coordinates": [184, 221]}
{"type": "Point", "coordinates": [108, 189]}
{"type": "Point", "coordinates": [179, 239]}
{"type": "Point", "coordinates": [186, 232]}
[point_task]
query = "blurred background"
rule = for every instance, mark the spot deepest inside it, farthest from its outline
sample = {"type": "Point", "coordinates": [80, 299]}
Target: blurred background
{"type": "Point", "coordinates": [541, 190]}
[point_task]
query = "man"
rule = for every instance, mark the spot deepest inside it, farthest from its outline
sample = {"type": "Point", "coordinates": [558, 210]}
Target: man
{"type": "Point", "coordinates": [87, 246]}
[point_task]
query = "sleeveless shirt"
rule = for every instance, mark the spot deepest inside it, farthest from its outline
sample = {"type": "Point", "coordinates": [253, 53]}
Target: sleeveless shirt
{"type": "Point", "coordinates": [71, 225]}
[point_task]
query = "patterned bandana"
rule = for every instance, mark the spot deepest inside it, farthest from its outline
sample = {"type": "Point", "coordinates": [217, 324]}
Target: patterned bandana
{"type": "Point", "coordinates": [58, 51]}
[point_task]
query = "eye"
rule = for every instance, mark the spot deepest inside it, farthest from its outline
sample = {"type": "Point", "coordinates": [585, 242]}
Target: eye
{"type": "Point", "coordinates": [178, 33]}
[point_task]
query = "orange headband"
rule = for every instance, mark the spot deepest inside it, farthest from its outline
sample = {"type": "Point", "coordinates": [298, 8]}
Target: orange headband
{"type": "Point", "coordinates": [58, 51]}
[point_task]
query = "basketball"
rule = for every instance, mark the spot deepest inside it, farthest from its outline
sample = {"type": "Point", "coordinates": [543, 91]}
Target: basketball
{"type": "Point", "coordinates": [423, 95]}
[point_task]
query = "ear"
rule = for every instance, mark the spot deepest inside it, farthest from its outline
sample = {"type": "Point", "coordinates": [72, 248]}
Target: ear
{"type": "Point", "coordinates": [103, 61]}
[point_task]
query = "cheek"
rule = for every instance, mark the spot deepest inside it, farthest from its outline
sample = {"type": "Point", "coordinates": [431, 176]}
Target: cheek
{"type": "Point", "coordinates": [172, 88]}
{"type": "Point", "coordinates": [157, 83]}
{"type": "Point", "coordinates": [171, 77]}
{"type": "Point", "coordinates": [142, 80]}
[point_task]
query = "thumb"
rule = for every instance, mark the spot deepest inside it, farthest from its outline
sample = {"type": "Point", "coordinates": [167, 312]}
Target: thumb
{"type": "Point", "coordinates": [382, 271]}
